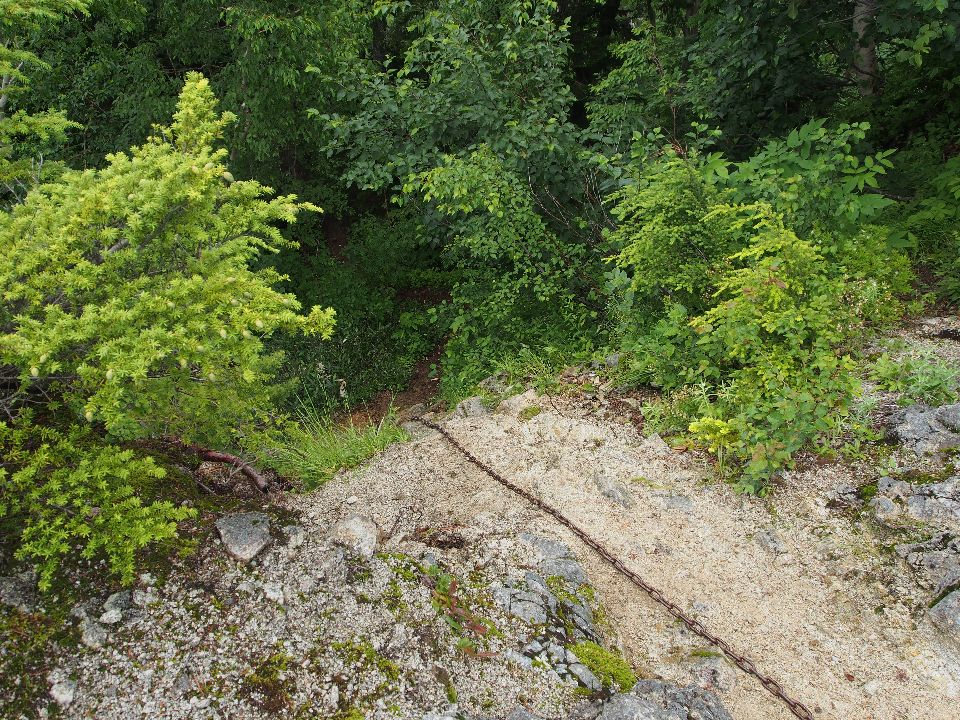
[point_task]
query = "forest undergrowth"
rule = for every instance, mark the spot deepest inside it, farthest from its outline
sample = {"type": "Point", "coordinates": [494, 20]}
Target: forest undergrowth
{"type": "Point", "coordinates": [227, 228]}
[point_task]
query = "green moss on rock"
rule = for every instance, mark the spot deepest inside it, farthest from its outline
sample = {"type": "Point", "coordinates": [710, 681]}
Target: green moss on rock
{"type": "Point", "coordinates": [609, 667]}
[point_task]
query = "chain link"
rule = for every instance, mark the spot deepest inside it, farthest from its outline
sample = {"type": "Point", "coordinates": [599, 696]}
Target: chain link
{"type": "Point", "coordinates": [744, 663]}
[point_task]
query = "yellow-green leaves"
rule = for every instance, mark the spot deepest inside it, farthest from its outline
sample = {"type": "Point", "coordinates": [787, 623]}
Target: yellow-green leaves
{"type": "Point", "coordinates": [129, 295]}
{"type": "Point", "coordinates": [75, 491]}
{"type": "Point", "coordinates": [132, 310]}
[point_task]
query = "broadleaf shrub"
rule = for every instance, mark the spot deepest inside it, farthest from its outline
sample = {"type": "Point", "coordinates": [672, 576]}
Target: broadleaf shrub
{"type": "Point", "coordinates": [717, 294]}
{"type": "Point", "coordinates": [519, 283]}
{"type": "Point", "coordinates": [815, 177]}
{"type": "Point", "coordinates": [775, 335]}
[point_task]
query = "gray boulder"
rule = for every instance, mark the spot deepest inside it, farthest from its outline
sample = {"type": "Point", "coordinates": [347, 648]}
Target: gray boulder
{"type": "Point", "coordinates": [898, 489]}
{"type": "Point", "coordinates": [936, 503]}
{"type": "Point", "coordinates": [547, 548]}
{"type": "Point", "coordinates": [946, 614]}
{"type": "Point", "coordinates": [244, 534]}
{"type": "Point", "coordinates": [471, 407]}
{"type": "Point", "coordinates": [570, 570]}
{"type": "Point", "coordinates": [937, 559]}
{"type": "Point", "coordinates": [924, 429]}
{"type": "Point", "coordinates": [533, 606]}
{"type": "Point", "coordinates": [656, 700]}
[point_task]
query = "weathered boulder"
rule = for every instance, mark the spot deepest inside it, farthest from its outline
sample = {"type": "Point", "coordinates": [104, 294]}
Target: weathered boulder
{"type": "Point", "coordinates": [946, 614]}
{"type": "Point", "coordinates": [924, 429]}
{"type": "Point", "coordinates": [567, 569]}
{"type": "Point", "coordinates": [244, 534]}
{"type": "Point", "coordinates": [937, 559]}
{"type": "Point", "coordinates": [518, 403]}
{"type": "Point", "coordinates": [937, 503]}
{"type": "Point", "coordinates": [471, 407]}
{"type": "Point", "coordinates": [656, 700]}
{"type": "Point", "coordinates": [534, 605]}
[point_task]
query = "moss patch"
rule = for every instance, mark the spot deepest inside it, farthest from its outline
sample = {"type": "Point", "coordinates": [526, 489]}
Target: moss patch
{"type": "Point", "coordinates": [867, 492]}
{"type": "Point", "coordinates": [268, 685]}
{"type": "Point", "coordinates": [919, 477]}
{"type": "Point", "coordinates": [350, 714]}
{"type": "Point", "coordinates": [530, 412]}
{"type": "Point", "coordinates": [704, 653]}
{"type": "Point", "coordinates": [609, 667]}
{"type": "Point", "coordinates": [362, 654]}
{"type": "Point", "coordinates": [25, 641]}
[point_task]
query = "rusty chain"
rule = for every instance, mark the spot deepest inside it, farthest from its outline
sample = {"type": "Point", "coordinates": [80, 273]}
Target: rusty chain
{"type": "Point", "coordinates": [744, 663]}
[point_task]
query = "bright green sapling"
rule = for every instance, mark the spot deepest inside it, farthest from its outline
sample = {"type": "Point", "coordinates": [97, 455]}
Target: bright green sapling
{"type": "Point", "coordinates": [131, 313]}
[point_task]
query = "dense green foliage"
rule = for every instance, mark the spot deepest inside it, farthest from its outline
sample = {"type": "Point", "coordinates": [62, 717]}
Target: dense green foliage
{"type": "Point", "coordinates": [25, 135]}
{"type": "Point", "coordinates": [131, 312]}
{"type": "Point", "coordinates": [731, 196]}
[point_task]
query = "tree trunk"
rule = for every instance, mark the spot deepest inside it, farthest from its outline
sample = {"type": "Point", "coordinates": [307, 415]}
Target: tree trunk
{"type": "Point", "coordinates": [865, 53]}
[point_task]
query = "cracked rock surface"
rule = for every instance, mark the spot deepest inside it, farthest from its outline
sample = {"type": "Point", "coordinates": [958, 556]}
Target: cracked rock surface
{"type": "Point", "coordinates": [925, 429]}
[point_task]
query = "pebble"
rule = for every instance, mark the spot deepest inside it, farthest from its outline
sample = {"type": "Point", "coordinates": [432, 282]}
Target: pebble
{"type": "Point", "coordinates": [143, 599]}
{"type": "Point", "coordinates": [63, 692]}
{"type": "Point", "coordinates": [274, 592]}
{"type": "Point", "coordinates": [358, 534]}
{"type": "Point", "coordinates": [118, 601]}
{"type": "Point", "coordinates": [295, 536]}
{"type": "Point", "coordinates": [244, 534]}
{"type": "Point", "coordinates": [92, 633]}
{"type": "Point", "coordinates": [111, 617]}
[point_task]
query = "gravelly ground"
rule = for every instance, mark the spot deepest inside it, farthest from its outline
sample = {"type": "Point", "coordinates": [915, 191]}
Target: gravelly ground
{"type": "Point", "coordinates": [809, 589]}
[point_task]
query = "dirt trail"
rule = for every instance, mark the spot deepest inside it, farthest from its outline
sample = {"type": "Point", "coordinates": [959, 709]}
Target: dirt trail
{"type": "Point", "coordinates": [806, 591]}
